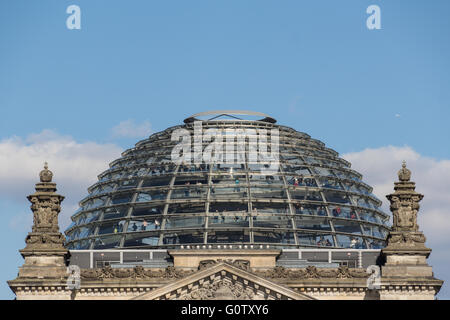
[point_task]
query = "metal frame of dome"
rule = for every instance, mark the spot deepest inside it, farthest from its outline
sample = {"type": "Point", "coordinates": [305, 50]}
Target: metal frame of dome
{"type": "Point", "coordinates": [231, 114]}
{"type": "Point", "coordinates": [145, 201]}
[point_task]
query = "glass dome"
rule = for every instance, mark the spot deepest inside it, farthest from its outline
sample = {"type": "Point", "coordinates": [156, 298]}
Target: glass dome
{"type": "Point", "coordinates": [312, 199]}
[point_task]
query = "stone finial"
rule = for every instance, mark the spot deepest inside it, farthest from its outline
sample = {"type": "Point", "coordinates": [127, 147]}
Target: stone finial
{"type": "Point", "coordinates": [405, 207]}
{"type": "Point", "coordinates": [45, 254]}
{"type": "Point", "coordinates": [406, 252]}
{"type": "Point", "coordinates": [404, 174]}
{"type": "Point", "coordinates": [46, 175]}
{"type": "Point", "coordinates": [45, 205]}
{"type": "Point", "coordinates": [404, 202]}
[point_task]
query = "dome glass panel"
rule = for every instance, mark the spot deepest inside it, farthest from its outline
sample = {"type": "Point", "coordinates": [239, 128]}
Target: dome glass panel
{"type": "Point", "coordinates": [311, 199]}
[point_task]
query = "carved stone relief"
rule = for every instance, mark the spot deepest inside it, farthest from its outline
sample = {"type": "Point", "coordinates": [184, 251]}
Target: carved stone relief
{"type": "Point", "coordinates": [219, 290]}
{"type": "Point", "coordinates": [137, 272]}
{"type": "Point", "coordinates": [312, 272]}
{"type": "Point", "coordinates": [239, 263]}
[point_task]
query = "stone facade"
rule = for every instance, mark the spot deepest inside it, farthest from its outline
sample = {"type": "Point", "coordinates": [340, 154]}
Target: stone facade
{"type": "Point", "coordinates": [208, 274]}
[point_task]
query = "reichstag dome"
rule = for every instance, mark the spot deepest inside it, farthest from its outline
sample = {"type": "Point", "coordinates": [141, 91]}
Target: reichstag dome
{"type": "Point", "coordinates": [312, 199]}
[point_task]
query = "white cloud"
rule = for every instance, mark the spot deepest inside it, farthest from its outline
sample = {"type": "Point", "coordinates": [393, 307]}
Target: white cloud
{"type": "Point", "coordinates": [380, 166]}
{"type": "Point", "coordinates": [130, 129]}
{"type": "Point", "coordinates": [75, 167]}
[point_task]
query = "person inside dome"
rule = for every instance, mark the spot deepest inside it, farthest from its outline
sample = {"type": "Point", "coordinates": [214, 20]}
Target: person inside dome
{"type": "Point", "coordinates": [236, 188]}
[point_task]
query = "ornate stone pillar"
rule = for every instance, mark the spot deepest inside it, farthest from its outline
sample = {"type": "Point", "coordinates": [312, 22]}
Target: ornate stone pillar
{"type": "Point", "coordinates": [406, 273]}
{"type": "Point", "coordinates": [44, 253]}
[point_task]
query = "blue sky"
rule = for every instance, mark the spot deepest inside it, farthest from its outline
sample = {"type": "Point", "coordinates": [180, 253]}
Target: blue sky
{"type": "Point", "coordinates": [137, 67]}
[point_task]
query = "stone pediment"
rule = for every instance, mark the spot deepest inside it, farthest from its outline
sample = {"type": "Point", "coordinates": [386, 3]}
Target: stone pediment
{"type": "Point", "coordinates": [223, 281]}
